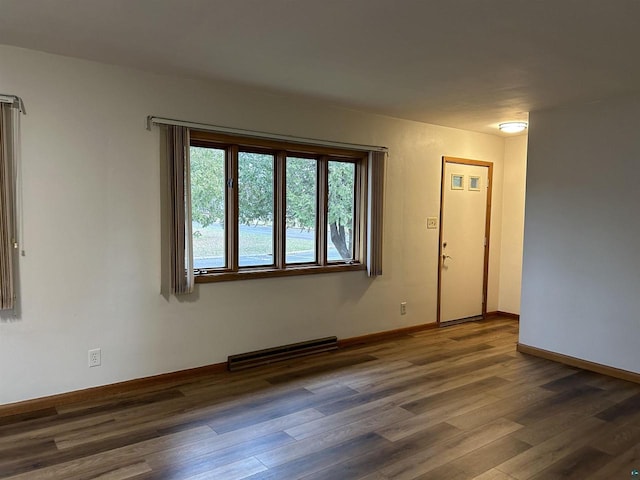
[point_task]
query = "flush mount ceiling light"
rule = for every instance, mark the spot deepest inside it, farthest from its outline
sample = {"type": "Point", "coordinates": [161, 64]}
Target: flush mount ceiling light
{"type": "Point", "coordinates": [512, 127]}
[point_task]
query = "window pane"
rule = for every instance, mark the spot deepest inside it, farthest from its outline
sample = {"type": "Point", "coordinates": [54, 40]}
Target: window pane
{"type": "Point", "coordinates": [342, 182]}
{"type": "Point", "coordinates": [255, 209]}
{"type": "Point", "coordinates": [208, 207]}
{"type": "Point", "coordinates": [301, 210]}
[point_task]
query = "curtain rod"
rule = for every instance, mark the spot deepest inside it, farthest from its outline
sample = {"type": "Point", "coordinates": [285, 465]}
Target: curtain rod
{"type": "Point", "coordinates": [151, 120]}
{"type": "Point", "coordinates": [15, 100]}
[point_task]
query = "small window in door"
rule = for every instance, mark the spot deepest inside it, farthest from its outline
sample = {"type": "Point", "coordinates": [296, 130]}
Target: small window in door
{"type": "Point", "coordinates": [474, 183]}
{"type": "Point", "coordinates": [457, 181]}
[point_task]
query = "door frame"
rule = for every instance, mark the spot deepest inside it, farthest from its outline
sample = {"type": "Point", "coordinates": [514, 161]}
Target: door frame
{"type": "Point", "coordinates": [487, 228]}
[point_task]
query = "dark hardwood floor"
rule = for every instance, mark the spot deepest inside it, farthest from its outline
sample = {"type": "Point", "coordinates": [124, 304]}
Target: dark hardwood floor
{"type": "Point", "coordinates": [454, 403]}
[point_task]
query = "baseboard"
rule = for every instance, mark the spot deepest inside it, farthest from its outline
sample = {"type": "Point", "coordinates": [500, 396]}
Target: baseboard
{"type": "Point", "coordinates": [387, 334]}
{"type": "Point", "coordinates": [103, 391]}
{"type": "Point", "coordinates": [577, 362]}
{"type": "Point", "coordinates": [498, 313]}
{"type": "Point", "coordinates": [166, 379]}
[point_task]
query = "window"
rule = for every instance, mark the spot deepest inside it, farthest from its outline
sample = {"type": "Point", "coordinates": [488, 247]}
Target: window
{"type": "Point", "coordinates": [341, 210]}
{"type": "Point", "coordinates": [268, 208]}
{"type": "Point", "coordinates": [208, 191]}
{"type": "Point", "coordinates": [256, 209]}
{"type": "Point", "coordinates": [301, 214]}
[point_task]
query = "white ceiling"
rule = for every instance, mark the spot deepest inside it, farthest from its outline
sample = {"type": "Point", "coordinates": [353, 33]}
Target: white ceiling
{"type": "Point", "coordinates": [461, 63]}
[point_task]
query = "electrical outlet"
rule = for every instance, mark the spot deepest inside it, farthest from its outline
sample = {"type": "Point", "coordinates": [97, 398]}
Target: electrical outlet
{"type": "Point", "coordinates": [95, 357]}
{"type": "Point", "coordinates": [403, 308]}
{"type": "Point", "coordinates": [432, 222]}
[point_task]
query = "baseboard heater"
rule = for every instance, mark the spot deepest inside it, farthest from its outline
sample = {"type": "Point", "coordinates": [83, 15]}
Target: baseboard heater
{"type": "Point", "coordinates": [278, 354]}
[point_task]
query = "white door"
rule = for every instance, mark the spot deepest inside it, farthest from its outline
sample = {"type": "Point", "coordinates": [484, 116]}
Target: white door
{"type": "Point", "coordinates": [463, 237]}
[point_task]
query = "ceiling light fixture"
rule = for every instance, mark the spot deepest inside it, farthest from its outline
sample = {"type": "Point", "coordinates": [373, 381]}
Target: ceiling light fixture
{"type": "Point", "coordinates": [512, 127]}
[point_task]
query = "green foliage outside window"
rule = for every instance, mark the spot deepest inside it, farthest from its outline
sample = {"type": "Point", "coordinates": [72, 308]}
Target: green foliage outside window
{"type": "Point", "coordinates": [256, 196]}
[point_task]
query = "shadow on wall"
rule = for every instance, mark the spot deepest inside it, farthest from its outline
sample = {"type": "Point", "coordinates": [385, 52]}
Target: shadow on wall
{"type": "Point", "coordinates": [351, 291]}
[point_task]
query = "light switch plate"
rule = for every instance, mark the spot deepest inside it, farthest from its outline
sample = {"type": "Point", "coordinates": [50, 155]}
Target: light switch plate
{"type": "Point", "coordinates": [432, 222]}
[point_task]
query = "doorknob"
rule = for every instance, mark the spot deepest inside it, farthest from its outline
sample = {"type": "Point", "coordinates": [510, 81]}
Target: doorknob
{"type": "Point", "coordinates": [445, 256]}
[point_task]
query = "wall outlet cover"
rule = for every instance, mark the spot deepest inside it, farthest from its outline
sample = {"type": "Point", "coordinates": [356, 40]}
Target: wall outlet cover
{"type": "Point", "coordinates": [95, 357]}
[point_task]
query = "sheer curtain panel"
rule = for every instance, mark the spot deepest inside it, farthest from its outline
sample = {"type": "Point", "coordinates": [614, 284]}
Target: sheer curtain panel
{"type": "Point", "coordinates": [9, 142]}
{"type": "Point", "coordinates": [177, 146]}
{"type": "Point", "coordinates": [377, 162]}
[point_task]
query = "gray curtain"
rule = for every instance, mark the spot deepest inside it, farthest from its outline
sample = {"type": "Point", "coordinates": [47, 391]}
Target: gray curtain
{"type": "Point", "coordinates": [177, 151]}
{"type": "Point", "coordinates": [9, 128]}
{"type": "Point", "coordinates": [375, 183]}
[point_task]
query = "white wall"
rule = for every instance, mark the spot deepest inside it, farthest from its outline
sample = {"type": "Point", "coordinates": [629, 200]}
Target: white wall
{"type": "Point", "coordinates": [581, 275]}
{"type": "Point", "coordinates": [91, 274]}
{"type": "Point", "coordinates": [515, 170]}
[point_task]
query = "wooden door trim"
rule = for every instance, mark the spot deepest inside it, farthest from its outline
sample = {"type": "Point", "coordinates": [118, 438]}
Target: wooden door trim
{"type": "Point", "coordinates": [487, 230]}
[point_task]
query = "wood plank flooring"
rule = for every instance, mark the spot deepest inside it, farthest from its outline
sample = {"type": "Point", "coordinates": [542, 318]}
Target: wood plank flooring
{"type": "Point", "coordinates": [450, 404]}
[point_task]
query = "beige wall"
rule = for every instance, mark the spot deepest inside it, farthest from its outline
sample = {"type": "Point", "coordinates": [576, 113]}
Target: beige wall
{"type": "Point", "coordinates": [515, 170]}
{"type": "Point", "coordinates": [91, 274]}
{"type": "Point", "coordinates": [581, 265]}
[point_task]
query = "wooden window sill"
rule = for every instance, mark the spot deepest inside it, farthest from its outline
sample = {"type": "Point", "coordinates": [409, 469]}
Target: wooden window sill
{"type": "Point", "coordinates": [285, 272]}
